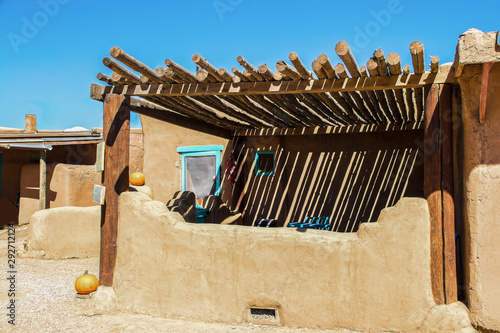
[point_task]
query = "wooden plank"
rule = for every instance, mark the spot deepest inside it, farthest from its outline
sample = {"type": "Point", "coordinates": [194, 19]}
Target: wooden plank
{"type": "Point", "coordinates": [432, 189]}
{"type": "Point", "coordinates": [116, 133]}
{"type": "Point", "coordinates": [446, 123]}
{"type": "Point", "coordinates": [358, 128]}
{"type": "Point", "coordinates": [42, 200]}
{"type": "Point", "coordinates": [285, 87]}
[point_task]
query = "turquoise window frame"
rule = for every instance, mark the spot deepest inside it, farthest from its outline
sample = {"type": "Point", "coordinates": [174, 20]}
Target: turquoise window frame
{"type": "Point", "coordinates": [201, 151]}
{"type": "Point", "coordinates": [257, 154]}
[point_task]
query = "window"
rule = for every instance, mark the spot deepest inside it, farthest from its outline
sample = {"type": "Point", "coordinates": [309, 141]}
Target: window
{"type": "Point", "coordinates": [200, 171]}
{"type": "Point", "coordinates": [264, 163]}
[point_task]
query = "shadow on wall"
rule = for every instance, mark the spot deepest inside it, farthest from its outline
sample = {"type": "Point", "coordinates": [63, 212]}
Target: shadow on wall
{"type": "Point", "coordinates": [347, 177]}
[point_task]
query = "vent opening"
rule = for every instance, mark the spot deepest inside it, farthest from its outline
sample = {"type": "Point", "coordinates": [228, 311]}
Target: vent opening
{"type": "Point", "coordinates": [263, 314]}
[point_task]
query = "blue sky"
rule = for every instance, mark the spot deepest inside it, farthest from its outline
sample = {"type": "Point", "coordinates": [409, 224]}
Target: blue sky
{"type": "Point", "coordinates": [51, 50]}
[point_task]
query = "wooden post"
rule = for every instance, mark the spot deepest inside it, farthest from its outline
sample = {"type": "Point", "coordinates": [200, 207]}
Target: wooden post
{"type": "Point", "coordinates": [450, 264]}
{"type": "Point", "coordinates": [432, 188]}
{"type": "Point", "coordinates": [116, 134]}
{"type": "Point", "coordinates": [42, 200]}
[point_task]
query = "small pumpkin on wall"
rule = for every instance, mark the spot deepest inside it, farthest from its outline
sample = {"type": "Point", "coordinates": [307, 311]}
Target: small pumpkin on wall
{"type": "Point", "coordinates": [86, 283]}
{"type": "Point", "coordinates": [137, 178]}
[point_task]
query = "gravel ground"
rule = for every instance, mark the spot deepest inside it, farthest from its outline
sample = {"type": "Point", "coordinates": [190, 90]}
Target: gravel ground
{"type": "Point", "coordinates": [45, 301]}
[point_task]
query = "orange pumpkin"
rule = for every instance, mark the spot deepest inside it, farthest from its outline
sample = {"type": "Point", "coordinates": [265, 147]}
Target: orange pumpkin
{"type": "Point", "coordinates": [86, 283]}
{"type": "Point", "coordinates": [137, 178]}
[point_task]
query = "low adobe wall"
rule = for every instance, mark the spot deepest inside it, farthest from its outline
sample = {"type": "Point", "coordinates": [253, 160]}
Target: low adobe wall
{"type": "Point", "coordinates": [480, 164]}
{"type": "Point", "coordinates": [483, 191]}
{"type": "Point", "coordinates": [377, 279]}
{"type": "Point", "coordinates": [65, 232]}
{"type": "Point", "coordinates": [67, 185]}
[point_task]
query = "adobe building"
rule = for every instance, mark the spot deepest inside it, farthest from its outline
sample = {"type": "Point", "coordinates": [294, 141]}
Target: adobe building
{"type": "Point", "coordinates": [68, 158]}
{"type": "Point", "coordinates": [402, 163]}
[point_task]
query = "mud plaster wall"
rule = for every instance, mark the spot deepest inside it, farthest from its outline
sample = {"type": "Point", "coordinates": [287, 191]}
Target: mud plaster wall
{"type": "Point", "coordinates": [348, 177]}
{"type": "Point", "coordinates": [70, 179]}
{"type": "Point", "coordinates": [66, 232]}
{"type": "Point", "coordinates": [67, 185]}
{"type": "Point", "coordinates": [377, 279]}
{"type": "Point", "coordinates": [162, 163]}
{"type": "Point", "coordinates": [481, 176]}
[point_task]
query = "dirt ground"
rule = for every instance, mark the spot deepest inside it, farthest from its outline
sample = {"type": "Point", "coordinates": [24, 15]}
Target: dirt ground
{"type": "Point", "coordinates": [45, 301]}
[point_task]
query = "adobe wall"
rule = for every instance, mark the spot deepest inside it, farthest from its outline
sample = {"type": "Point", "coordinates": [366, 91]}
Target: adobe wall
{"type": "Point", "coordinates": [349, 177]}
{"type": "Point", "coordinates": [162, 163]}
{"type": "Point", "coordinates": [67, 185]}
{"type": "Point", "coordinates": [481, 176]}
{"type": "Point", "coordinates": [65, 232]}
{"type": "Point", "coordinates": [377, 279]}
{"type": "Point", "coordinates": [13, 161]}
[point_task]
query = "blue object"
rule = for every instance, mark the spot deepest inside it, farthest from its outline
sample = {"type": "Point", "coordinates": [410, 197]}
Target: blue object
{"type": "Point", "coordinates": [201, 213]}
{"type": "Point", "coordinates": [261, 169]}
{"type": "Point", "coordinates": [194, 151]}
{"type": "Point", "coordinates": [320, 223]}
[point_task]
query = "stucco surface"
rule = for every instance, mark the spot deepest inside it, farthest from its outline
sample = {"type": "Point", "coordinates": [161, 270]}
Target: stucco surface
{"type": "Point", "coordinates": [67, 185]}
{"type": "Point", "coordinates": [483, 191]}
{"type": "Point", "coordinates": [377, 279]}
{"type": "Point", "coordinates": [481, 177]}
{"type": "Point", "coordinates": [65, 232]}
{"type": "Point", "coordinates": [475, 47]}
{"type": "Point", "coordinates": [162, 163]}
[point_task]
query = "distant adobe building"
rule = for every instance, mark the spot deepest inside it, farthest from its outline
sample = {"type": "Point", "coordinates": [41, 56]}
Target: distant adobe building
{"type": "Point", "coordinates": [68, 156]}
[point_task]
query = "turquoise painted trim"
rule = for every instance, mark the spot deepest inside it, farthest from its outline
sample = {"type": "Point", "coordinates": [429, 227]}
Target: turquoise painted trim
{"type": "Point", "coordinates": [1, 163]}
{"type": "Point", "coordinates": [189, 149]}
{"type": "Point", "coordinates": [201, 151]}
{"type": "Point", "coordinates": [257, 173]}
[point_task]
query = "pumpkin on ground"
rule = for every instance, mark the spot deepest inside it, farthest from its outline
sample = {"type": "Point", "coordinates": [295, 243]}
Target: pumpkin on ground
{"type": "Point", "coordinates": [137, 178]}
{"type": "Point", "coordinates": [86, 283]}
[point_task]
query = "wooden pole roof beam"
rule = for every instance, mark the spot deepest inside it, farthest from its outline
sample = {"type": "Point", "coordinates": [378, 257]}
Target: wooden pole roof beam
{"type": "Point", "coordinates": [417, 57]}
{"type": "Point", "coordinates": [344, 52]}
{"type": "Point", "coordinates": [288, 87]}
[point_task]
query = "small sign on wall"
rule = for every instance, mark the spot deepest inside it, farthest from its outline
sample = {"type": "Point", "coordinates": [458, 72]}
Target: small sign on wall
{"type": "Point", "coordinates": [99, 164]}
{"type": "Point", "coordinates": [99, 194]}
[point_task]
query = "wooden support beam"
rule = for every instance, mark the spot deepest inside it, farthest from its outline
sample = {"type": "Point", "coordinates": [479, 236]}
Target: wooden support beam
{"type": "Point", "coordinates": [432, 189]}
{"type": "Point", "coordinates": [120, 70]}
{"type": "Point", "coordinates": [325, 62]}
{"type": "Point", "coordinates": [42, 200]}
{"type": "Point", "coordinates": [116, 134]}
{"type": "Point", "coordinates": [287, 87]}
{"type": "Point", "coordinates": [225, 75]}
{"type": "Point", "coordinates": [203, 63]}
{"type": "Point", "coordinates": [131, 62]}
{"type": "Point", "coordinates": [417, 57]}
{"type": "Point", "coordinates": [406, 69]}
{"type": "Point", "coordinates": [446, 124]}
{"type": "Point", "coordinates": [104, 78]}
{"type": "Point", "coordinates": [372, 67]}
{"type": "Point", "coordinates": [266, 72]}
{"type": "Point", "coordinates": [434, 64]}
{"type": "Point", "coordinates": [250, 68]}
{"type": "Point", "coordinates": [238, 76]}
{"type": "Point", "coordinates": [344, 52]}
{"type": "Point", "coordinates": [484, 90]}
{"type": "Point", "coordinates": [299, 66]}
{"type": "Point", "coordinates": [287, 70]}
{"type": "Point", "coordinates": [181, 71]}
